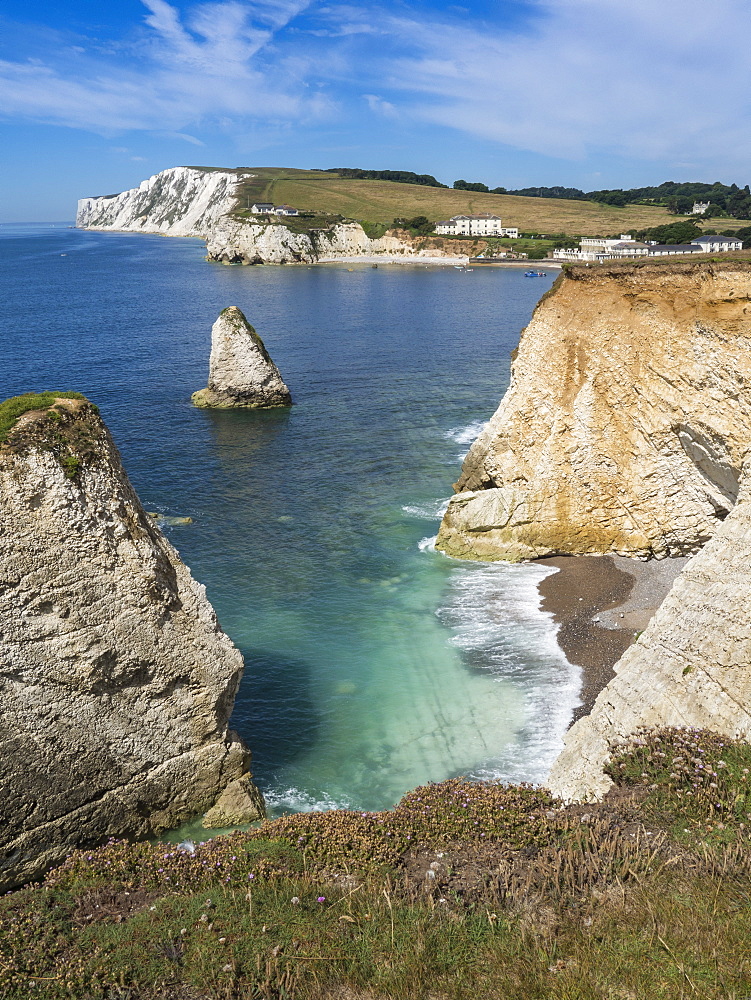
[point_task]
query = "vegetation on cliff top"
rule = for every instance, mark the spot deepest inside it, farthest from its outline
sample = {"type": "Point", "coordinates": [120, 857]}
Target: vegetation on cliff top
{"type": "Point", "coordinates": [463, 891]}
{"type": "Point", "coordinates": [15, 407]}
{"type": "Point", "coordinates": [67, 434]}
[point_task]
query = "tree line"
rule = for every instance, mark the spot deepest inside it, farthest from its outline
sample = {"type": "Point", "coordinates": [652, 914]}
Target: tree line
{"type": "Point", "coordinates": [399, 176]}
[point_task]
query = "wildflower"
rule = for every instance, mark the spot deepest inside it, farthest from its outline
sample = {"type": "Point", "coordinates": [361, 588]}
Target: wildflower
{"type": "Point", "coordinates": [321, 899]}
{"type": "Point", "coordinates": [295, 900]}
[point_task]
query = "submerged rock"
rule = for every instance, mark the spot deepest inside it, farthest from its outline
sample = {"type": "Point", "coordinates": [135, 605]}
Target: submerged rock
{"type": "Point", "coordinates": [241, 373]}
{"type": "Point", "coordinates": [117, 682]}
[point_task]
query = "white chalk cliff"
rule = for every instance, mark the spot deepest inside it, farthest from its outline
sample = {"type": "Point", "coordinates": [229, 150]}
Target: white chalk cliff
{"type": "Point", "coordinates": [181, 201]}
{"type": "Point", "coordinates": [241, 373]}
{"type": "Point", "coordinates": [116, 681]}
{"type": "Point", "coordinates": [195, 201]}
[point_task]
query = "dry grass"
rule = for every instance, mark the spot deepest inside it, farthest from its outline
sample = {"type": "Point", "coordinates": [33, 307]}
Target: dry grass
{"type": "Point", "coordinates": [382, 201]}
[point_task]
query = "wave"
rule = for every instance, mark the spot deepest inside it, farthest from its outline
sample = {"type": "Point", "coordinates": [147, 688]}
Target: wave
{"type": "Point", "coordinates": [432, 510]}
{"type": "Point", "coordinates": [466, 435]}
{"type": "Point", "coordinates": [427, 544]}
{"type": "Point", "coordinates": [493, 612]}
{"type": "Point", "coordinates": [292, 800]}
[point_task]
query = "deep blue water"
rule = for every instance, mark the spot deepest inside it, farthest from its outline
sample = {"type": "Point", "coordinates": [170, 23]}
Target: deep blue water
{"type": "Point", "coordinates": [372, 662]}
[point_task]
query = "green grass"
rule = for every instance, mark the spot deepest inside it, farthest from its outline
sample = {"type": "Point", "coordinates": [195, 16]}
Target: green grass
{"type": "Point", "coordinates": [16, 406]}
{"type": "Point", "coordinates": [640, 898]}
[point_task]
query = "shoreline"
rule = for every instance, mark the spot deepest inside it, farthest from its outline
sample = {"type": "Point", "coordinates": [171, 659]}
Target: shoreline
{"type": "Point", "coordinates": [601, 604]}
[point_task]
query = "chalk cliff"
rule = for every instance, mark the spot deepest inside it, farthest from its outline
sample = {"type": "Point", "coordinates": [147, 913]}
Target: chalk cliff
{"type": "Point", "coordinates": [626, 423]}
{"type": "Point", "coordinates": [181, 201]}
{"type": "Point", "coordinates": [690, 667]}
{"type": "Point", "coordinates": [235, 242]}
{"type": "Point", "coordinates": [241, 373]}
{"type": "Point", "coordinates": [116, 682]}
{"type": "Point", "coordinates": [198, 201]}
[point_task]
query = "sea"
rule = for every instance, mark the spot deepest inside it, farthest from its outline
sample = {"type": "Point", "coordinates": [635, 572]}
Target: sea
{"type": "Point", "coordinates": [373, 663]}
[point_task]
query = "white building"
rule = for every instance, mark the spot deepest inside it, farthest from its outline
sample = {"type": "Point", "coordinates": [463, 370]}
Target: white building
{"type": "Point", "coordinates": [718, 244]}
{"type": "Point", "coordinates": [266, 208]}
{"type": "Point", "coordinates": [700, 207]}
{"type": "Point", "coordinates": [483, 224]}
{"type": "Point", "coordinates": [596, 249]}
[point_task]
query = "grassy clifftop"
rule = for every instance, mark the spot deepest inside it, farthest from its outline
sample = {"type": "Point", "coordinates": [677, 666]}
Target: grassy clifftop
{"type": "Point", "coordinates": [382, 201]}
{"type": "Point", "coordinates": [463, 891]}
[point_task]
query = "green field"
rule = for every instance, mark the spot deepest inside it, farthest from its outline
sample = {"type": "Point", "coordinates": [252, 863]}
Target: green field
{"type": "Point", "coordinates": [382, 201]}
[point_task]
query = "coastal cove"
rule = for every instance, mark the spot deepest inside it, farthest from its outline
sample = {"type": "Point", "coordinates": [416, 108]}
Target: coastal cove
{"type": "Point", "coordinates": [373, 663]}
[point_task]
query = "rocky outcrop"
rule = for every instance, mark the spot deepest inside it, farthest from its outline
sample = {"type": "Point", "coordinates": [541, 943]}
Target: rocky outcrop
{"type": "Point", "coordinates": [690, 667]}
{"type": "Point", "coordinates": [241, 373]}
{"type": "Point", "coordinates": [626, 423]}
{"type": "Point", "coordinates": [181, 201]}
{"type": "Point", "coordinates": [234, 242]}
{"type": "Point", "coordinates": [116, 681]}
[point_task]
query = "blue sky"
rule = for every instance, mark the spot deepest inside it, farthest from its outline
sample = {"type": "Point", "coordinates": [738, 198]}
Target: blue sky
{"type": "Point", "coordinates": [591, 93]}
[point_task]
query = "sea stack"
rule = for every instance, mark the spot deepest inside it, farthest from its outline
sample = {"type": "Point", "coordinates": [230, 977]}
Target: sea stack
{"type": "Point", "coordinates": [241, 373]}
{"type": "Point", "coordinates": [117, 682]}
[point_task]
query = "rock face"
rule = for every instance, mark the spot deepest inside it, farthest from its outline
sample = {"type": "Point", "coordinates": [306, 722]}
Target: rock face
{"type": "Point", "coordinates": [116, 682]}
{"type": "Point", "coordinates": [626, 423]}
{"type": "Point", "coordinates": [232, 242]}
{"type": "Point", "coordinates": [181, 201]}
{"type": "Point", "coordinates": [198, 201]}
{"type": "Point", "coordinates": [241, 373]}
{"type": "Point", "coordinates": [690, 667]}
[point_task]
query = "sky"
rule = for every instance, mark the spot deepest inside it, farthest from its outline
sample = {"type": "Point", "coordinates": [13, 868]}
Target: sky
{"type": "Point", "coordinates": [95, 97]}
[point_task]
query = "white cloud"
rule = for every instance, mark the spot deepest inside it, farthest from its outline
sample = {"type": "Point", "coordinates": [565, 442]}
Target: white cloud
{"type": "Point", "coordinates": [183, 70]}
{"type": "Point", "coordinates": [663, 83]}
{"type": "Point", "coordinates": [379, 106]}
{"type": "Point", "coordinates": [667, 81]}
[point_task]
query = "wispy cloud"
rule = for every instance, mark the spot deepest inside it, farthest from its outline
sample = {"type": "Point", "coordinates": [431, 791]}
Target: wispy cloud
{"type": "Point", "coordinates": [577, 79]}
{"type": "Point", "coordinates": [638, 79]}
{"type": "Point", "coordinates": [180, 70]}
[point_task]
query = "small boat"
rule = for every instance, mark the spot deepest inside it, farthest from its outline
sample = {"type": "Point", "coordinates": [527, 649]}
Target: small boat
{"type": "Point", "coordinates": [535, 274]}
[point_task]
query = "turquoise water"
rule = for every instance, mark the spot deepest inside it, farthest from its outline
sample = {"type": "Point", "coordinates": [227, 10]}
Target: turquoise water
{"type": "Point", "coordinates": [373, 663]}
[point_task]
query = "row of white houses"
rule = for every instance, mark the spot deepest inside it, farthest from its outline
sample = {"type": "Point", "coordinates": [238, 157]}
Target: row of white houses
{"type": "Point", "coordinates": [483, 224]}
{"type": "Point", "coordinates": [626, 247]}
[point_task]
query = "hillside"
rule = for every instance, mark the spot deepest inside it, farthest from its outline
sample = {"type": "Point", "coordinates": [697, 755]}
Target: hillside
{"type": "Point", "coordinates": [382, 201]}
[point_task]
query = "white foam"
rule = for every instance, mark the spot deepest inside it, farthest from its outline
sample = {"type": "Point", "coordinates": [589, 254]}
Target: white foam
{"type": "Point", "coordinates": [427, 544]}
{"type": "Point", "coordinates": [493, 611]}
{"type": "Point", "coordinates": [432, 510]}
{"type": "Point", "coordinates": [466, 435]}
{"type": "Point", "coordinates": [295, 800]}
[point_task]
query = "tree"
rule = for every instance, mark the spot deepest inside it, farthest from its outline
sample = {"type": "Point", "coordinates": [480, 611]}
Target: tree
{"type": "Point", "coordinates": [473, 186]}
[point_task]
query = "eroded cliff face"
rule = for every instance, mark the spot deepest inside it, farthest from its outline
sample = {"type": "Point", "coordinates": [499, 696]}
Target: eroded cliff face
{"type": "Point", "coordinates": [181, 201]}
{"type": "Point", "coordinates": [234, 242]}
{"type": "Point", "coordinates": [627, 421]}
{"type": "Point", "coordinates": [193, 201]}
{"type": "Point", "coordinates": [690, 667]}
{"type": "Point", "coordinates": [116, 682]}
